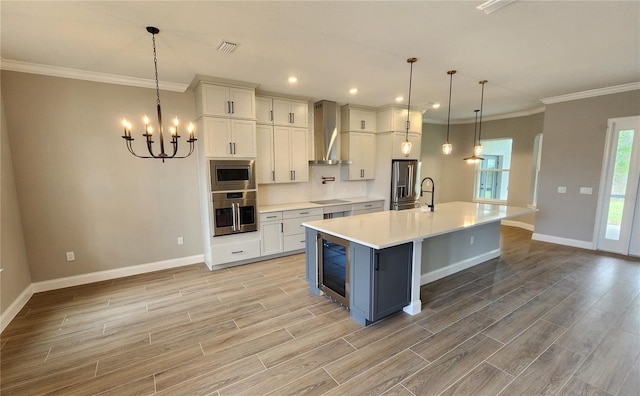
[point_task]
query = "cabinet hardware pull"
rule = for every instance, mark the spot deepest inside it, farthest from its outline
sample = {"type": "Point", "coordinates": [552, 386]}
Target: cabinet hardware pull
{"type": "Point", "coordinates": [294, 175]}
{"type": "Point", "coordinates": [304, 213]}
{"type": "Point", "coordinates": [273, 175]}
{"type": "Point", "coordinates": [237, 252]}
{"type": "Point", "coordinates": [362, 124]}
{"type": "Point", "coordinates": [271, 115]}
{"type": "Point", "coordinates": [293, 118]}
{"type": "Point", "coordinates": [368, 206]}
{"type": "Point", "coordinates": [234, 148]}
{"type": "Point", "coordinates": [281, 227]}
{"type": "Point", "coordinates": [233, 108]}
{"type": "Point", "coordinates": [228, 107]}
{"type": "Point", "coordinates": [271, 217]}
{"type": "Point", "coordinates": [230, 148]}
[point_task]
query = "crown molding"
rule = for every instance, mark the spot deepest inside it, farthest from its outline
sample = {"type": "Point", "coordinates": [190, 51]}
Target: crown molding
{"type": "Point", "coordinates": [76, 74]}
{"type": "Point", "coordinates": [592, 93]}
{"type": "Point", "coordinates": [524, 113]}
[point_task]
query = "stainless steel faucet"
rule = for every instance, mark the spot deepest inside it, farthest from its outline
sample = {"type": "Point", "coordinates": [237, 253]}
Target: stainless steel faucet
{"type": "Point", "coordinates": [433, 189]}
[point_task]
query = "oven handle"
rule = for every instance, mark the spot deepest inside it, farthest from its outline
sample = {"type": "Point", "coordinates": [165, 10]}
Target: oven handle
{"type": "Point", "coordinates": [233, 215]}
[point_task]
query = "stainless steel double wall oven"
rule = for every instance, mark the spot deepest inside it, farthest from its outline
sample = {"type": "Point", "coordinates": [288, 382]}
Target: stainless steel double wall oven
{"type": "Point", "coordinates": [233, 196]}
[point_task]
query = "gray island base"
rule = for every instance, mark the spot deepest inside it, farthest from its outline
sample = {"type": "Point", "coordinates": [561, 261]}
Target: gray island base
{"type": "Point", "coordinates": [374, 264]}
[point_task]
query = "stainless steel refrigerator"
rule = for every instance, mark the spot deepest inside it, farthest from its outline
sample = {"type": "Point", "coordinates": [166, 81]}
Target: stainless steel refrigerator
{"type": "Point", "coordinates": [405, 179]}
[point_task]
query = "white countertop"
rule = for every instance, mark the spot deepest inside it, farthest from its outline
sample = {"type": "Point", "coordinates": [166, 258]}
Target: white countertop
{"type": "Point", "coordinates": [390, 228]}
{"type": "Point", "coordinates": [306, 205]}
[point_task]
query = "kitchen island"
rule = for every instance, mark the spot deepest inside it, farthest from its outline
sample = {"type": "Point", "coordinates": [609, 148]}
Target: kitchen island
{"type": "Point", "coordinates": [380, 247]}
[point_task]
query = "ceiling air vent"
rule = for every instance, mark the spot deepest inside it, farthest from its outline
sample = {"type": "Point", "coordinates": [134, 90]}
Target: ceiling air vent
{"type": "Point", "coordinates": [226, 47]}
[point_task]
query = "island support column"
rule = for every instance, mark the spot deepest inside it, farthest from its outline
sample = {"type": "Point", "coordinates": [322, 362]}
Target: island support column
{"type": "Point", "coordinates": [415, 306]}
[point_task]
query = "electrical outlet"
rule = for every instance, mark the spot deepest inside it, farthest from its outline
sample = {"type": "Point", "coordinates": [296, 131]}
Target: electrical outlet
{"type": "Point", "coordinates": [471, 241]}
{"type": "Point", "coordinates": [586, 190]}
{"type": "Point", "coordinates": [562, 190]}
{"type": "Point", "coordinates": [180, 241]}
{"type": "Point", "coordinates": [71, 256]}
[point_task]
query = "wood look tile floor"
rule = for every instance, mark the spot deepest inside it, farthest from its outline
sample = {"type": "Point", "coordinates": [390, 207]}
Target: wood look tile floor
{"type": "Point", "coordinates": [542, 319]}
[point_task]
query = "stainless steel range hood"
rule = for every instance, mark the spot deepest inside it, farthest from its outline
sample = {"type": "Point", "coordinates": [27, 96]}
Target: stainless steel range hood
{"type": "Point", "coordinates": [325, 139]}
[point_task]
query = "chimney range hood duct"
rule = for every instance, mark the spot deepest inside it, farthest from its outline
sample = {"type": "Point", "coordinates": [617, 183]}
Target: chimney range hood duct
{"type": "Point", "coordinates": [325, 139]}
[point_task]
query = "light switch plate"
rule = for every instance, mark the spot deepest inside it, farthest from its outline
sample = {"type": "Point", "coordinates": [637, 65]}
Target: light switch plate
{"type": "Point", "coordinates": [586, 190]}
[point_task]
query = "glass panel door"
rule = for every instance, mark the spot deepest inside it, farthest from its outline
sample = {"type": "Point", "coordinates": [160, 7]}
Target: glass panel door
{"type": "Point", "coordinates": [620, 186]}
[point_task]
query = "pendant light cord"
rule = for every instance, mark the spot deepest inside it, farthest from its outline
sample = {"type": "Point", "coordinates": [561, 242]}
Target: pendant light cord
{"type": "Point", "coordinates": [451, 73]}
{"type": "Point", "coordinates": [481, 106]}
{"type": "Point", "coordinates": [411, 61]}
{"type": "Point", "coordinates": [155, 65]}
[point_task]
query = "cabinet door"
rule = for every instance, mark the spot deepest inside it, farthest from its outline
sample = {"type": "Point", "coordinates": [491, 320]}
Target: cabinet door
{"type": "Point", "coordinates": [264, 112]}
{"type": "Point", "coordinates": [300, 114]}
{"type": "Point", "coordinates": [415, 118]}
{"type": "Point", "coordinates": [264, 154]}
{"type": "Point", "coordinates": [298, 154]}
{"type": "Point", "coordinates": [391, 280]}
{"type": "Point", "coordinates": [242, 102]}
{"type": "Point", "coordinates": [215, 100]}
{"type": "Point", "coordinates": [217, 137]}
{"type": "Point", "coordinates": [281, 112]}
{"type": "Point", "coordinates": [355, 155]}
{"type": "Point", "coordinates": [244, 138]}
{"type": "Point", "coordinates": [368, 121]}
{"type": "Point", "coordinates": [355, 120]}
{"type": "Point", "coordinates": [271, 240]}
{"type": "Point", "coordinates": [281, 154]}
{"type": "Point", "coordinates": [368, 155]}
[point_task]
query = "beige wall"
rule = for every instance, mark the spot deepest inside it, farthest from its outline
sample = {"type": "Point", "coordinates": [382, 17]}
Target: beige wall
{"type": "Point", "coordinates": [457, 177]}
{"type": "Point", "coordinates": [78, 187]}
{"type": "Point", "coordinates": [431, 158]}
{"type": "Point", "coordinates": [572, 154]}
{"type": "Point", "coordinates": [15, 276]}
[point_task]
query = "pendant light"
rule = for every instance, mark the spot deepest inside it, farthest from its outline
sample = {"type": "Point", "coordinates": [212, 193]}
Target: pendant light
{"type": "Point", "coordinates": [148, 129]}
{"type": "Point", "coordinates": [447, 147]}
{"type": "Point", "coordinates": [474, 158]}
{"type": "Point", "coordinates": [477, 149]}
{"type": "Point", "coordinates": [405, 147]}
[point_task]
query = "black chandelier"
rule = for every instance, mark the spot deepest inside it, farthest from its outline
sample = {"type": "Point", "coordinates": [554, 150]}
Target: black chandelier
{"type": "Point", "coordinates": [148, 129]}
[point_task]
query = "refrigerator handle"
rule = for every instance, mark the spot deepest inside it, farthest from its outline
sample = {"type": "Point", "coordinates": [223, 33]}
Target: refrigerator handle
{"type": "Point", "coordinates": [410, 181]}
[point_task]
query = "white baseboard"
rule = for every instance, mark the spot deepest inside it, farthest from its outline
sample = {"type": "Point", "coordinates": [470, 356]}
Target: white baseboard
{"type": "Point", "coordinates": [457, 267]}
{"type": "Point", "coordinates": [519, 224]}
{"type": "Point", "coordinates": [7, 316]}
{"type": "Point", "coordinates": [114, 273]}
{"type": "Point", "coordinates": [563, 241]}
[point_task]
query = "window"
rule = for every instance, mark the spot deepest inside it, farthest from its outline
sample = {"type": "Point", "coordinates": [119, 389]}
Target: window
{"type": "Point", "coordinates": [492, 174]}
{"type": "Point", "coordinates": [535, 170]}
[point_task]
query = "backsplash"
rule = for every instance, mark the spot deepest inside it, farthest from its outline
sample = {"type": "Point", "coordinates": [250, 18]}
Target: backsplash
{"type": "Point", "coordinates": [313, 190]}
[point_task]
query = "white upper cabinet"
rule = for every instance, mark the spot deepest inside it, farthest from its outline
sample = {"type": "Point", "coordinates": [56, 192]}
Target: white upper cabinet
{"type": "Point", "coordinates": [265, 173]}
{"type": "Point", "coordinates": [361, 150]}
{"type": "Point", "coordinates": [264, 110]}
{"type": "Point", "coordinates": [355, 119]}
{"type": "Point", "coordinates": [223, 101]}
{"type": "Point", "coordinates": [290, 113]}
{"type": "Point", "coordinates": [395, 119]}
{"type": "Point", "coordinates": [282, 154]}
{"type": "Point", "coordinates": [228, 138]}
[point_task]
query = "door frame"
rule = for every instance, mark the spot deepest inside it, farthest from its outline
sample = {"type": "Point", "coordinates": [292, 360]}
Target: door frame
{"type": "Point", "coordinates": [603, 179]}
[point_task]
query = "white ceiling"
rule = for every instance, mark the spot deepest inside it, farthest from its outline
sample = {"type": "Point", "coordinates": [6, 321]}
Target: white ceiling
{"type": "Point", "coordinates": [528, 51]}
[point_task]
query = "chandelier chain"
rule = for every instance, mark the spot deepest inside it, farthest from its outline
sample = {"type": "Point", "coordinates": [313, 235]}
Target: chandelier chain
{"type": "Point", "coordinates": [155, 65]}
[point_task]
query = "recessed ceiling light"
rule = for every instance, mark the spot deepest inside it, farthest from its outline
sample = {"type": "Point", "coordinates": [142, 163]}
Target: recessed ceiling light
{"type": "Point", "coordinates": [353, 91]}
{"type": "Point", "coordinates": [399, 98]}
{"type": "Point", "coordinates": [493, 5]}
{"type": "Point", "coordinates": [293, 79]}
{"type": "Point", "coordinates": [436, 105]}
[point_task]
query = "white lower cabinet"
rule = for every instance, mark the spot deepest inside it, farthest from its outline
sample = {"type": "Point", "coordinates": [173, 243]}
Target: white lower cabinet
{"type": "Point", "coordinates": [293, 228]}
{"type": "Point", "coordinates": [271, 241]}
{"type": "Point", "coordinates": [367, 207]}
{"type": "Point", "coordinates": [230, 248]}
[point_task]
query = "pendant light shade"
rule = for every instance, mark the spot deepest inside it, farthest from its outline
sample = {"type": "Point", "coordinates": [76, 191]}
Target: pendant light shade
{"type": "Point", "coordinates": [405, 147]}
{"type": "Point", "coordinates": [447, 147]}
{"type": "Point", "coordinates": [474, 158]}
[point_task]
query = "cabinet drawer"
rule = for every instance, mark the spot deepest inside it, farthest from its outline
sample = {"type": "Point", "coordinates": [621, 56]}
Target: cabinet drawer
{"type": "Point", "coordinates": [294, 226]}
{"type": "Point", "coordinates": [294, 242]}
{"type": "Point", "coordinates": [291, 214]}
{"type": "Point", "coordinates": [270, 216]}
{"type": "Point", "coordinates": [368, 206]}
{"type": "Point", "coordinates": [228, 253]}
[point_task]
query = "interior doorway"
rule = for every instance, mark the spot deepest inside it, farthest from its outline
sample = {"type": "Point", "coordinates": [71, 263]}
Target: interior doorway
{"type": "Point", "coordinates": [619, 207]}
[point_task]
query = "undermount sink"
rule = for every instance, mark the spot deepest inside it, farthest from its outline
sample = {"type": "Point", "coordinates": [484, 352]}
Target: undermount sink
{"type": "Point", "coordinates": [330, 201]}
